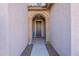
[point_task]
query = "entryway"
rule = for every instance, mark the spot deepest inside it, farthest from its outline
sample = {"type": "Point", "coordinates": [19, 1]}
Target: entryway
{"type": "Point", "coordinates": [38, 27]}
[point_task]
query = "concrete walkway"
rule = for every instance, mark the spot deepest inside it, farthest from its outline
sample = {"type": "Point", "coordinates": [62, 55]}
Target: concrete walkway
{"type": "Point", "coordinates": [39, 48]}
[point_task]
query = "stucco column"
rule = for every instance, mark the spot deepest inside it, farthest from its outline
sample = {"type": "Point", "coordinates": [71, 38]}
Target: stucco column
{"type": "Point", "coordinates": [30, 30]}
{"type": "Point", "coordinates": [47, 31]}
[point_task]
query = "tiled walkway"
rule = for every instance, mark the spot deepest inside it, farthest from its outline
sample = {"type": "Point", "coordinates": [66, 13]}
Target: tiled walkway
{"type": "Point", "coordinates": [39, 48]}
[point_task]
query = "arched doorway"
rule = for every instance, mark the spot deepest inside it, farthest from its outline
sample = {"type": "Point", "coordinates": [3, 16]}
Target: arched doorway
{"type": "Point", "coordinates": [38, 26]}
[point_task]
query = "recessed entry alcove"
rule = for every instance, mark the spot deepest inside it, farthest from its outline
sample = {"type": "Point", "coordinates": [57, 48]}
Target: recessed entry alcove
{"type": "Point", "coordinates": [38, 26]}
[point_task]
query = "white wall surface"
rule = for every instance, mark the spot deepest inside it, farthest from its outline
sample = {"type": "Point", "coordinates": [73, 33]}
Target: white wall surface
{"type": "Point", "coordinates": [3, 29]}
{"type": "Point", "coordinates": [75, 29]}
{"type": "Point", "coordinates": [18, 33]}
{"type": "Point", "coordinates": [60, 28]}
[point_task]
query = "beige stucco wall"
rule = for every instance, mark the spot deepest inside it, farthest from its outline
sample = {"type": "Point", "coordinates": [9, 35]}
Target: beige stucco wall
{"type": "Point", "coordinates": [13, 28]}
{"type": "Point", "coordinates": [31, 14]}
{"type": "Point", "coordinates": [75, 29]}
{"type": "Point", "coordinates": [18, 24]}
{"type": "Point", "coordinates": [3, 29]}
{"type": "Point", "coordinates": [60, 28]}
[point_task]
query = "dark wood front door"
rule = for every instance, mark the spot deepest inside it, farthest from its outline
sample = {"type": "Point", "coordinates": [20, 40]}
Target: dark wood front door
{"type": "Point", "coordinates": [38, 28]}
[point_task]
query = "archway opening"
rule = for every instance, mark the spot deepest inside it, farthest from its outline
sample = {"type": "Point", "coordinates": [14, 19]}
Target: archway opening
{"type": "Point", "coordinates": [38, 27]}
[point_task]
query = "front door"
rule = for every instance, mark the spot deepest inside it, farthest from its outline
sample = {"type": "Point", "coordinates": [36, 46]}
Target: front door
{"type": "Point", "coordinates": [38, 28]}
